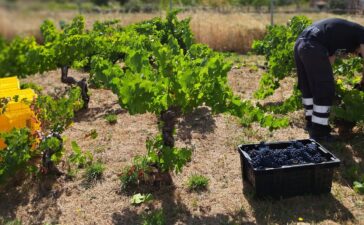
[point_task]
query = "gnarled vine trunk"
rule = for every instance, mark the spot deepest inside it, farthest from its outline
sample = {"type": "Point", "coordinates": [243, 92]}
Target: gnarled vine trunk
{"type": "Point", "coordinates": [168, 119]}
{"type": "Point", "coordinates": [65, 78]}
{"type": "Point", "coordinates": [72, 81]}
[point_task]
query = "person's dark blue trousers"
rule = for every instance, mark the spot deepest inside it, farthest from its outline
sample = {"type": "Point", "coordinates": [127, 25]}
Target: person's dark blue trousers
{"type": "Point", "coordinates": [316, 82]}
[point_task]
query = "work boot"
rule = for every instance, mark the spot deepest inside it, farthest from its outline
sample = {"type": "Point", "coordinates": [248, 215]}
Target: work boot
{"type": "Point", "coordinates": [308, 125]}
{"type": "Point", "coordinates": [321, 133]}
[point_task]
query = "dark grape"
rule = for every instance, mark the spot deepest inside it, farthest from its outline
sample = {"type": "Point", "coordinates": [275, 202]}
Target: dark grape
{"type": "Point", "coordinates": [296, 153]}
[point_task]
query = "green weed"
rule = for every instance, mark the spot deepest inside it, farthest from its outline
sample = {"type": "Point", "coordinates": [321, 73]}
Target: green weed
{"type": "Point", "coordinates": [111, 118]}
{"type": "Point", "coordinates": [154, 218]}
{"type": "Point", "coordinates": [95, 171]}
{"type": "Point", "coordinates": [197, 183]}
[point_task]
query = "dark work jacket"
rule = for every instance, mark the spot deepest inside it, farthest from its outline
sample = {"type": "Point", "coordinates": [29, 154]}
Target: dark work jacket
{"type": "Point", "coordinates": [338, 36]}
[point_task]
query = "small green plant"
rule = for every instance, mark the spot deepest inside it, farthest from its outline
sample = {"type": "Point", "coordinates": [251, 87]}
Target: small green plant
{"type": "Point", "coordinates": [154, 218]}
{"type": "Point", "coordinates": [359, 184]}
{"type": "Point", "coordinates": [131, 176]}
{"type": "Point", "coordinates": [55, 145]}
{"type": "Point", "coordinates": [16, 156]}
{"type": "Point", "coordinates": [166, 158]}
{"type": "Point", "coordinates": [95, 171]}
{"type": "Point", "coordinates": [159, 159]}
{"type": "Point", "coordinates": [51, 149]}
{"type": "Point", "coordinates": [141, 198]}
{"type": "Point", "coordinates": [71, 173]}
{"type": "Point", "coordinates": [57, 114]}
{"type": "Point", "coordinates": [359, 187]}
{"type": "Point", "coordinates": [197, 183]}
{"type": "Point", "coordinates": [93, 134]}
{"type": "Point", "coordinates": [79, 158]}
{"type": "Point", "coordinates": [253, 68]}
{"type": "Point", "coordinates": [111, 118]}
{"type": "Point", "coordinates": [38, 89]}
{"type": "Point", "coordinates": [10, 222]}
{"type": "Point", "coordinates": [23, 151]}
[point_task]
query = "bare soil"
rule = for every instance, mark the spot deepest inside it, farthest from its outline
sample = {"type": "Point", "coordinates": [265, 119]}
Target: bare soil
{"type": "Point", "coordinates": [57, 200]}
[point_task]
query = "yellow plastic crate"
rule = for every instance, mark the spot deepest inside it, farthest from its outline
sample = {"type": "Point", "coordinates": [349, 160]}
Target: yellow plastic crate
{"type": "Point", "coordinates": [22, 94]}
{"type": "Point", "coordinates": [9, 83]}
{"type": "Point", "coordinates": [18, 113]}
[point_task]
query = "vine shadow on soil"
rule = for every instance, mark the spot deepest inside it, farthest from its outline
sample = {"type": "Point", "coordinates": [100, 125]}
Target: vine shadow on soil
{"type": "Point", "coordinates": [43, 192]}
{"type": "Point", "coordinates": [311, 208]}
{"type": "Point", "coordinates": [175, 211]}
{"type": "Point", "coordinates": [91, 114]}
{"type": "Point", "coordinates": [349, 149]}
{"type": "Point", "coordinates": [200, 121]}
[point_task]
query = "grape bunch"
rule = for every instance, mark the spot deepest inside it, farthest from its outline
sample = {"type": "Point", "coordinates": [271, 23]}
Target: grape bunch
{"type": "Point", "coordinates": [296, 153]}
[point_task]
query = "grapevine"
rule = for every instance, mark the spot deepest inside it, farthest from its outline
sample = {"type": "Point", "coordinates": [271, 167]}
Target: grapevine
{"type": "Point", "coordinates": [153, 66]}
{"type": "Point", "coordinates": [277, 46]}
{"type": "Point", "coordinates": [39, 153]}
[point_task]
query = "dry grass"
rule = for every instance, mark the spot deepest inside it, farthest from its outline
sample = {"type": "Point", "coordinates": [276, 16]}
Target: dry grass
{"type": "Point", "coordinates": [225, 32]}
{"type": "Point", "coordinates": [23, 23]}
{"type": "Point", "coordinates": [6, 30]}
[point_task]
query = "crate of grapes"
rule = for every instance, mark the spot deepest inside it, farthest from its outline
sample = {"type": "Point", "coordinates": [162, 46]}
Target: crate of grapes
{"type": "Point", "coordinates": [285, 169]}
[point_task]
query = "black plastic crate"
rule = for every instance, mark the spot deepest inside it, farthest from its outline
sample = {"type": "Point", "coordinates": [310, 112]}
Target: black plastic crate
{"type": "Point", "coordinates": [287, 181]}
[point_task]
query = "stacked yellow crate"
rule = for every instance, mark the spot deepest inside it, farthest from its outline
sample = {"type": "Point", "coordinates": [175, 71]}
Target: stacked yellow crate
{"type": "Point", "coordinates": [17, 111]}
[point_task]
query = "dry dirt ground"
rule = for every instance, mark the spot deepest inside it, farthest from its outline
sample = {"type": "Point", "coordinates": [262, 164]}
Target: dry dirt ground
{"type": "Point", "coordinates": [56, 200]}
